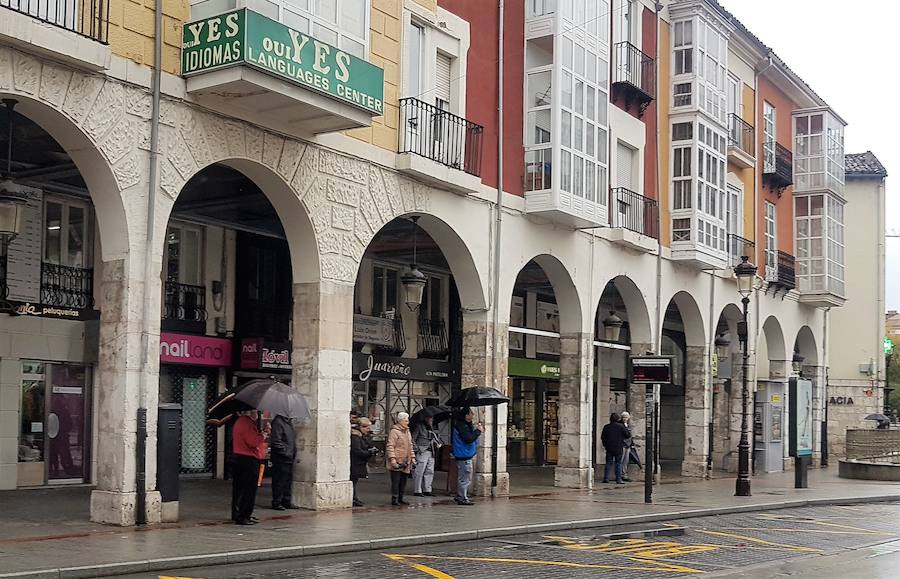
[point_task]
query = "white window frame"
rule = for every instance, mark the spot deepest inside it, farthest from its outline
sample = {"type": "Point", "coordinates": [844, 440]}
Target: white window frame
{"type": "Point", "coordinates": [770, 232]}
{"type": "Point", "coordinates": [627, 22]}
{"type": "Point", "coordinates": [200, 231]}
{"type": "Point", "coordinates": [66, 203]}
{"type": "Point", "coordinates": [288, 11]}
{"type": "Point", "coordinates": [770, 136]}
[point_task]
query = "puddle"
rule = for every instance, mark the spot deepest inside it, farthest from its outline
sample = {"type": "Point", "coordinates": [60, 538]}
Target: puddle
{"type": "Point", "coordinates": [649, 533]}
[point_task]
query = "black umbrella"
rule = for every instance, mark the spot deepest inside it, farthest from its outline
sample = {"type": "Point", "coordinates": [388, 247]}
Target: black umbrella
{"type": "Point", "coordinates": [278, 399]}
{"type": "Point", "coordinates": [225, 409]}
{"type": "Point", "coordinates": [477, 396]}
{"type": "Point", "coordinates": [878, 417]}
{"type": "Point", "coordinates": [439, 413]}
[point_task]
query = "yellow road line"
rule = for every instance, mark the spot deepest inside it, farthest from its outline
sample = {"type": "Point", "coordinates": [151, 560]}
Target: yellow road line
{"type": "Point", "coordinates": [760, 541]}
{"type": "Point", "coordinates": [661, 566]}
{"type": "Point", "coordinates": [419, 567]}
{"type": "Point", "coordinates": [820, 531]}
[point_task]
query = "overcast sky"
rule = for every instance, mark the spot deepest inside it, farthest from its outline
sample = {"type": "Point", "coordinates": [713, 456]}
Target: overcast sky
{"type": "Point", "coordinates": [849, 53]}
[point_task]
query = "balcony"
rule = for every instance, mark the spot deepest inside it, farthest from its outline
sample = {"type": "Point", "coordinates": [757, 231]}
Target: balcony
{"type": "Point", "coordinates": [67, 287]}
{"type": "Point", "coordinates": [739, 247]}
{"type": "Point", "coordinates": [71, 31]}
{"type": "Point", "coordinates": [634, 77]}
{"type": "Point", "coordinates": [184, 308]}
{"type": "Point", "coordinates": [741, 142]}
{"type": "Point", "coordinates": [782, 276]}
{"type": "Point", "coordinates": [440, 147]}
{"type": "Point", "coordinates": [263, 71]}
{"type": "Point", "coordinates": [397, 345]}
{"type": "Point", "coordinates": [433, 339]}
{"type": "Point", "coordinates": [634, 219]}
{"type": "Point", "coordinates": [778, 166]}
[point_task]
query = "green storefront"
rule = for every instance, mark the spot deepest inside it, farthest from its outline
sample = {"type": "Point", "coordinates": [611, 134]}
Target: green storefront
{"type": "Point", "coordinates": [533, 426]}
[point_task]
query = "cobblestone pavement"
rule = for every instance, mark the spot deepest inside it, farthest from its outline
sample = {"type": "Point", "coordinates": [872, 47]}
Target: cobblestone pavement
{"type": "Point", "coordinates": [732, 545]}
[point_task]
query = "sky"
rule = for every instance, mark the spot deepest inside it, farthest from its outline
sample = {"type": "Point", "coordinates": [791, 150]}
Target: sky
{"type": "Point", "coordinates": [848, 53]}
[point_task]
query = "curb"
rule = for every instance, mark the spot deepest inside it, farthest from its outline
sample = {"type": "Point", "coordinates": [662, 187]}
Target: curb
{"type": "Point", "coordinates": [291, 552]}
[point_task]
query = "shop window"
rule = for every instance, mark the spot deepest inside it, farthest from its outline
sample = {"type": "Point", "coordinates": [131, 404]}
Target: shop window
{"type": "Point", "coordinates": [67, 233]}
{"type": "Point", "coordinates": [184, 251]}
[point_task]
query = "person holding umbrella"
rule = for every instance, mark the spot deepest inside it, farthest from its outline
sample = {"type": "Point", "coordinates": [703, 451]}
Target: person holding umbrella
{"type": "Point", "coordinates": [426, 443]}
{"type": "Point", "coordinates": [401, 460]}
{"type": "Point", "coordinates": [249, 448]}
{"type": "Point", "coordinates": [465, 444]}
{"type": "Point", "coordinates": [284, 451]}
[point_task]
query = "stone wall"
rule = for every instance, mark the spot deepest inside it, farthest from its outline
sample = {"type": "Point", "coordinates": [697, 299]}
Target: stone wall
{"type": "Point", "coordinates": [131, 31]}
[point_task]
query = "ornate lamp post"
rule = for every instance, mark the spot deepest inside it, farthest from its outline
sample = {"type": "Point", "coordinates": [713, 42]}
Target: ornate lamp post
{"type": "Point", "coordinates": [612, 327]}
{"type": "Point", "coordinates": [746, 275]}
{"type": "Point", "coordinates": [412, 279]}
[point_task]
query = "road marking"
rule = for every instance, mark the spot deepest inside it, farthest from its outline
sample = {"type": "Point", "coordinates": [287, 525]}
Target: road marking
{"type": "Point", "coordinates": [770, 544]}
{"type": "Point", "coordinates": [665, 567]}
{"type": "Point", "coordinates": [419, 567]}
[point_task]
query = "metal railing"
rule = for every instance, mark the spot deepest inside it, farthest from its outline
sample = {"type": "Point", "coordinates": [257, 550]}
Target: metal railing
{"type": "Point", "coordinates": [783, 274]}
{"type": "Point", "coordinates": [67, 287]}
{"type": "Point", "coordinates": [88, 18]}
{"type": "Point", "coordinates": [184, 302]}
{"type": "Point", "coordinates": [741, 134]}
{"type": "Point", "coordinates": [399, 345]}
{"type": "Point", "coordinates": [738, 247]}
{"type": "Point", "coordinates": [433, 339]}
{"type": "Point", "coordinates": [441, 136]}
{"type": "Point", "coordinates": [633, 211]}
{"type": "Point", "coordinates": [635, 68]}
{"type": "Point", "coordinates": [778, 164]}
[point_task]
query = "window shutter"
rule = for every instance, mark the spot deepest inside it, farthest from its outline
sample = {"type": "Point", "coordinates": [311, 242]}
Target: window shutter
{"type": "Point", "coordinates": [625, 161]}
{"type": "Point", "coordinates": [442, 78]}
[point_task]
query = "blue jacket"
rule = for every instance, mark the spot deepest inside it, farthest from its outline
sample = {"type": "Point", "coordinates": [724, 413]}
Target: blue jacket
{"type": "Point", "coordinates": [465, 440]}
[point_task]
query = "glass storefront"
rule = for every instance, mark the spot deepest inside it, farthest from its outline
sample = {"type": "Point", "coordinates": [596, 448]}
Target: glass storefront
{"type": "Point", "coordinates": [195, 389]}
{"type": "Point", "coordinates": [54, 434]}
{"type": "Point", "coordinates": [533, 427]}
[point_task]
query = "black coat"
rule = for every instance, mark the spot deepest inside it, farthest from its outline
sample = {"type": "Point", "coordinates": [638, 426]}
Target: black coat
{"type": "Point", "coordinates": [359, 454]}
{"type": "Point", "coordinates": [282, 441]}
{"type": "Point", "coordinates": [614, 436]}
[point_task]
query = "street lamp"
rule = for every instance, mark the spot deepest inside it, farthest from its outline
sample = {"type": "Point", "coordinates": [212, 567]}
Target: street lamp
{"type": "Point", "coordinates": [12, 209]}
{"type": "Point", "coordinates": [612, 327]}
{"type": "Point", "coordinates": [746, 275]}
{"type": "Point", "coordinates": [412, 279]}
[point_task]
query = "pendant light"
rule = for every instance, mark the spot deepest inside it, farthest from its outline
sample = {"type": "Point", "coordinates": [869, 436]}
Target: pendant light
{"type": "Point", "coordinates": [12, 195]}
{"type": "Point", "coordinates": [412, 279]}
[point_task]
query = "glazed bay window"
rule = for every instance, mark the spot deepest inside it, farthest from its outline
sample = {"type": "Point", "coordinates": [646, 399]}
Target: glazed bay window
{"type": "Point", "coordinates": [538, 129]}
{"type": "Point", "coordinates": [818, 151]}
{"type": "Point", "coordinates": [819, 228]}
{"type": "Point", "coordinates": [66, 269]}
{"type": "Point", "coordinates": [712, 66]}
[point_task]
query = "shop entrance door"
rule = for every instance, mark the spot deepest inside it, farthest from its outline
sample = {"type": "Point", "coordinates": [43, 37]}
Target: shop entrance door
{"type": "Point", "coordinates": [533, 431]}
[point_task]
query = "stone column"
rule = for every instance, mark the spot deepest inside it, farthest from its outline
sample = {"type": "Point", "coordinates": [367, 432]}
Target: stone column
{"type": "Point", "coordinates": [322, 345]}
{"type": "Point", "coordinates": [478, 370]}
{"type": "Point", "coordinates": [637, 398]}
{"type": "Point", "coordinates": [603, 363]}
{"type": "Point", "coordinates": [118, 392]}
{"type": "Point", "coordinates": [576, 394]}
{"type": "Point", "coordinates": [697, 411]}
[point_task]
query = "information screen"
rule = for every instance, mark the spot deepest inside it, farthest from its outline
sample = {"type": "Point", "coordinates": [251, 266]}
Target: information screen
{"type": "Point", "coordinates": [651, 370]}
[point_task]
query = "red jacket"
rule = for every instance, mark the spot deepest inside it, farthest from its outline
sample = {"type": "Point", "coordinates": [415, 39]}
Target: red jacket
{"type": "Point", "coordinates": [247, 439]}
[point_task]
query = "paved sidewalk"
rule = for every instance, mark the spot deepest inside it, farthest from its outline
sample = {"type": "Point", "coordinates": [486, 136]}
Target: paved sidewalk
{"type": "Point", "coordinates": [81, 549]}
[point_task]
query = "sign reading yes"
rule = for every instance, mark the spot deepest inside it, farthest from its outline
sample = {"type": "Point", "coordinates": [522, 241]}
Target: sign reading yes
{"type": "Point", "coordinates": [243, 37]}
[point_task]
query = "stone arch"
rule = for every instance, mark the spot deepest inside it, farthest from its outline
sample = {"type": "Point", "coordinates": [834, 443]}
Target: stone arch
{"type": "Point", "coordinates": [691, 317]}
{"type": "Point", "coordinates": [636, 306]}
{"type": "Point", "coordinates": [806, 344]}
{"type": "Point", "coordinates": [86, 115]}
{"type": "Point", "coordinates": [774, 335]}
{"type": "Point", "coordinates": [567, 298]}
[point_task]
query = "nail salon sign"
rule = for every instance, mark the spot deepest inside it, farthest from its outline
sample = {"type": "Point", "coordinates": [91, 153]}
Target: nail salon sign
{"type": "Point", "coordinates": [194, 350]}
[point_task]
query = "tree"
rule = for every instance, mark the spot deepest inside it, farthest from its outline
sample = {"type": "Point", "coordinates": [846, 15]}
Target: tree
{"type": "Point", "coordinates": [893, 376]}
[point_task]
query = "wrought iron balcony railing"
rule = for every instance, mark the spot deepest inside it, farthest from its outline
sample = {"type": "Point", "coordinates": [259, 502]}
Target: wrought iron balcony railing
{"type": "Point", "coordinates": [778, 165]}
{"type": "Point", "coordinates": [399, 345]}
{"type": "Point", "coordinates": [741, 135]}
{"type": "Point", "coordinates": [441, 136]}
{"type": "Point", "coordinates": [739, 247]}
{"type": "Point", "coordinates": [67, 287]}
{"type": "Point", "coordinates": [632, 211]}
{"type": "Point", "coordinates": [88, 18]}
{"type": "Point", "coordinates": [634, 75]}
{"type": "Point", "coordinates": [783, 275]}
{"type": "Point", "coordinates": [433, 339]}
{"type": "Point", "coordinates": [183, 302]}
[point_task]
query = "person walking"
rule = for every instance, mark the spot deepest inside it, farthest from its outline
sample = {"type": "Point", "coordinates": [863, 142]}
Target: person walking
{"type": "Point", "coordinates": [248, 446]}
{"type": "Point", "coordinates": [425, 444]}
{"type": "Point", "coordinates": [361, 450]}
{"type": "Point", "coordinates": [629, 444]}
{"type": "Point", "coordinates": [284, 452]}
{"type": "Point", "coordinates": [613, 437]}
{"type": "Point", "coordinates": [401, 460]}
{"type": "Point", "coordinates": [465, 444]}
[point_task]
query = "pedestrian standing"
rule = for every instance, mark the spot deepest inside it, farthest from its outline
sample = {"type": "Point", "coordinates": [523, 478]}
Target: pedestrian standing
{"type": "Point", "coordinates": [400, 457]}
{"type": "Point", "coordinates": [284, 453]}
{"type": "Point", "coordinates": [425, 444]}
{"type": "Point", "coordinates": [249, 448]}
{"type": "Point", "coordinates": [465, 444]}
{"type": "Point", "coordinates": [613, 437]}
{"type": "Point", "coordinates": [361, 450]}
{"type": "Point", "coordinates": [629, 444]}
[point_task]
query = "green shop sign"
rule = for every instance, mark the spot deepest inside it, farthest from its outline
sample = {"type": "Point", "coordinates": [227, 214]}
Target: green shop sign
{"type": "Point", "coordinates": [245, 38]}
{"type": "Point", "coordinates": [533, 368]}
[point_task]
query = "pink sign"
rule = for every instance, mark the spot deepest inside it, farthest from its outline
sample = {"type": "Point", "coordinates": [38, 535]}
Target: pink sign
{"type": "Point", "coordinates": [194, 350]}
